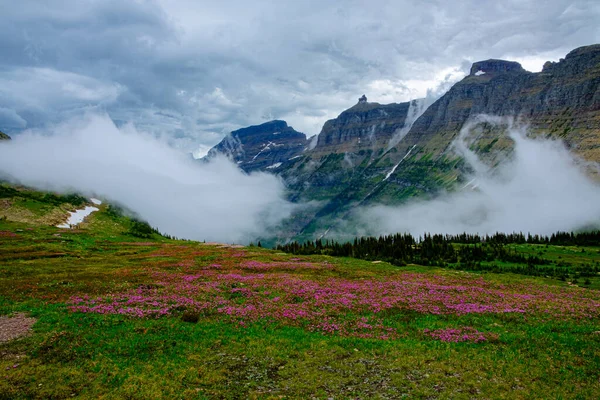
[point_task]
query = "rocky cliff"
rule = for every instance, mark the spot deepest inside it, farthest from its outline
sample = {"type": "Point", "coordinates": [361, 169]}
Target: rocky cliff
{"type": "Point", "coordinates": [4, 136]}
{"type": "Point", "coordinates": [562, 100]}
{"type": "Point", "coordinates": [362, 127]}
{"type": "Point", "coordinates": [265, 147]}
{"type": "Point", "coordinates": [375, 153]}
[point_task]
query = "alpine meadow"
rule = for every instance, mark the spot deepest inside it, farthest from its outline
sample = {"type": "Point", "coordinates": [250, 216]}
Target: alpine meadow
{"type": "Point", "coordinates": [300, 200]}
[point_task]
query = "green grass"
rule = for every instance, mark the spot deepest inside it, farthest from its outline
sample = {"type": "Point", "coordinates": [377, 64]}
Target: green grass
{"type": "Point", "coordinates": [30, 206]}
{"type": "Point", "coordinates": [86, 355]}
{"type": "Point", "coordinates": [576, 264]}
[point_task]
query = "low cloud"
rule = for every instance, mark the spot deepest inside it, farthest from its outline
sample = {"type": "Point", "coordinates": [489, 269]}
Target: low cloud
{"type": "Point", "coordinates": [162, 185]}
{"type": "Point", "coordinates": [540, 189]}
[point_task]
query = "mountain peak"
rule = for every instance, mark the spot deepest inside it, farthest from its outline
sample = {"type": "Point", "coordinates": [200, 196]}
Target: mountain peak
{"type": "Point", "coordinates": [582, 60]}
{"type": "Point", "coordinates": [363, 126]}
{"type": "Point", "coordinates": [362, 106]}
{"type": "Point", "coordinates": [583, 50]}
{"type": "Point", "coordinates": [263, 147]}
{"type": "Point", "coordinates": [270, 127]}
{"type": "Point", "coordinates": [495, 66]}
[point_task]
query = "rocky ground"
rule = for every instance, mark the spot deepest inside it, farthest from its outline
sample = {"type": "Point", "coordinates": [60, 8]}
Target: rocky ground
{"type": "Point", "coordinates": [14, 327]}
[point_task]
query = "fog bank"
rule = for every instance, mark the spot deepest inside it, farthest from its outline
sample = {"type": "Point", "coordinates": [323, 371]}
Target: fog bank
{"type": "Point", "coordinates": [166, 187]}
{"type": "Point", "coordinates": [540, 189]}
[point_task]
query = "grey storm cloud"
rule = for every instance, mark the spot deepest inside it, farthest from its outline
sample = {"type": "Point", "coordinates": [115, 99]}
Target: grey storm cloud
{"type": "Point", "coordinates": [192, 71]}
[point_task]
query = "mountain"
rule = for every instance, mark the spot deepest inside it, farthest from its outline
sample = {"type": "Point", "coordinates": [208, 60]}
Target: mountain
{"type": "Point", "coordinates": [563, 100]}
{"type": "Point", "coordinates": [362, 127]}
{"type": "Point", "coordinates": [4, 136]}
{"type": "Point", "coordinates": [373, 153]}
{"type": "Point", "coordinates": [264, 147]}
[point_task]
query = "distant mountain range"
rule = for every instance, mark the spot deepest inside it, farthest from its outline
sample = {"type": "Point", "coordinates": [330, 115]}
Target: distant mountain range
{"type": "Point", "coordinates": [375, 153]}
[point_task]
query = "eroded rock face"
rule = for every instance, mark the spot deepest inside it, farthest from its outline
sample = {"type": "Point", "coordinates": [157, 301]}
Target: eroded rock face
{"type": "Point", "coordinates": [354, 164]}
{"type": "Point", "coordinates": [364, 126]}
{"type": "Point", "coordinates": [495, 67]}
{"type": "Point", "coordinates": [265, 147]}
{"type": "Point", "coordinates": [562, 100]}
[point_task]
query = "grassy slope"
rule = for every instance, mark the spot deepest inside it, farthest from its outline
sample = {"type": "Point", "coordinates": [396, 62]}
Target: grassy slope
{"type": "Point", "coordinates": [90, 355]}
{"type": "Point", "coordinates": [570, 259]}
{"type": "Point", "coordinates": [20, 204]}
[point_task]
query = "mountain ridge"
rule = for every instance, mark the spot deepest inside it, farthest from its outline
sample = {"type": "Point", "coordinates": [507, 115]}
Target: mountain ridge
{"type": "Point", "coordinates": [362, 126]}
{"type": "Point", "coordinates": [261, 147]}
{"type": "Point", "coordinates": [356, 161]}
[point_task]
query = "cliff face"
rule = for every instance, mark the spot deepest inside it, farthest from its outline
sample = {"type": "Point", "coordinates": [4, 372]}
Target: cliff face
{"type": "Point", "coordinates": [562, 100]}
{"type": "Point", "coordinates": [4, 136]}
{"type": "Point", "coordinates": [373, 153]}
{"type": "Point", "coordinates": [364, 126]}
{"type": "Point", "coordinates": [265, 147]}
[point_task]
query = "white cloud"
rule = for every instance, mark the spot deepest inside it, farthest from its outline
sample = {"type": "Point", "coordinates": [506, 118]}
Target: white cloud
{"type": "Point", "coordinates": [46, 88]}
{"type": "Point", "coordinates": [542, 189]}
{"type": "Point", "coordinates": [167, 188]}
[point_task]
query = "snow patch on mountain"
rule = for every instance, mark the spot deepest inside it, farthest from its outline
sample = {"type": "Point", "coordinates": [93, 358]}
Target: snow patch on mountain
{"type": "Point", "coordinates": [396, 166]}
{"type": "Point", "coordinates": [78, 216]}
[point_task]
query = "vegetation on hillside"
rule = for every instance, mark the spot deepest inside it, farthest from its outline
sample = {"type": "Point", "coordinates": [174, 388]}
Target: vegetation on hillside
{"type": "Point", "coordinates": [53, 199]}
{"type": "Point", "coordinates": [120, 316]}
{"type": "Point", "coordinates": [563, 255]}
{"type": "Point", "coordinates": [21, 204]}
{"type": "Point", "coordinates": [123, 312]}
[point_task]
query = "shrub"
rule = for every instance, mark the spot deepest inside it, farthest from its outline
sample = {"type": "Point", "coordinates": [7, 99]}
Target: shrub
{"type": "Point", "coordinates": [114, 211]}
{"type": "Point", "coordinates": [190, 316]}
{"type": "Point", "coordinates": [141, 229]}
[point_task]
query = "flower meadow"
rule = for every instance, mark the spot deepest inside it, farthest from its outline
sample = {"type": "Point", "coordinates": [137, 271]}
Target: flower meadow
{"type": "Point", "coordinates": [316, 296]}
{"type": "Point", "coordinates": [463, 334]}
{"type": "Point", "coordinates": [124, 318]}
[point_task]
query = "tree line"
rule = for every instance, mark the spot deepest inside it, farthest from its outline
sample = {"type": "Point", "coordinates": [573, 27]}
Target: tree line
{"type": "Point", "coordinates": [463, 251]}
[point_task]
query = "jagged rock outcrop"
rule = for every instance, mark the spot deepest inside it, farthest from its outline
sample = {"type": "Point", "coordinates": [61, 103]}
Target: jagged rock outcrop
{"type": "Point", "coordinates": [495, 67]}
{"type": "Point", "coordinates": [265, 147]}
{"type": "Point", "coordinates": [4, 136]}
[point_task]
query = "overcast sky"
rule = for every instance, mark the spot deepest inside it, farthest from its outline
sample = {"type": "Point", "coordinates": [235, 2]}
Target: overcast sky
{"type": "Point", "coordinates": [193, 70]}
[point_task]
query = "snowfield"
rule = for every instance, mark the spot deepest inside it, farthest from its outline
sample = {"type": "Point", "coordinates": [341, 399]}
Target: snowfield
{"type": "Point", "coordinates": [78, 216]}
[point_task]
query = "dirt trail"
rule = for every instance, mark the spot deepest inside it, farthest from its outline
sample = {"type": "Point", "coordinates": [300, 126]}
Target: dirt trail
{"type": "Point", "coordinates": [15, 326]}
